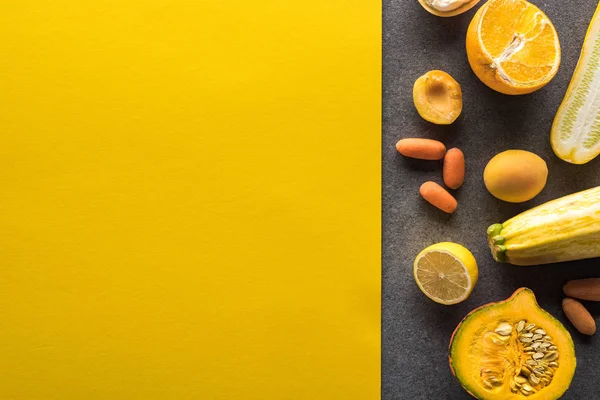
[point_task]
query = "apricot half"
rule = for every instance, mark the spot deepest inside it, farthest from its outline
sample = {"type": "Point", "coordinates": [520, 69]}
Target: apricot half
{"type": "Point", "coordinates": [437, 97]}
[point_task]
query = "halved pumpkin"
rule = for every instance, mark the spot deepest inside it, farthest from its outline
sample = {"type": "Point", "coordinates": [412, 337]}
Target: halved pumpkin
{"type": "Point", "coordinates": [512, 349]}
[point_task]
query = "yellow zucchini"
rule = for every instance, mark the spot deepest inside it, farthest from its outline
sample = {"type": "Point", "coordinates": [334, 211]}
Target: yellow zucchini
{"type": "Point", "coordinates": [575, 135]}
{"type": "Point", "coordinates": [564, 229]}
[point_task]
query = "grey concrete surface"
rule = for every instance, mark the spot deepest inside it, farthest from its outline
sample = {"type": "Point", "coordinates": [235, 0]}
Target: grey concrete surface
{"type": "Point", "coordinates": [416, 331]}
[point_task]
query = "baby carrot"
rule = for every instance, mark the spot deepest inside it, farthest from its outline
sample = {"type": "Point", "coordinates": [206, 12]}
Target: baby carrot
{"type": "Point", "coordinates": [579, 316]}
{"type": "Point", "coordinates": [454, 168]}
{"type": "Point", "coordinates": [424, 149]}
{"type": "Point", "coordinates": [438, 196]}
{"type": "Point", "coordinates": [584, 289]}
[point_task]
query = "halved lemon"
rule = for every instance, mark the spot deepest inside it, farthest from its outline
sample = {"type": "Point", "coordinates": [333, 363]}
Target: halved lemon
{"type": "Point", "coordinates": [575, 135]}
{"type": "Point", "coordinates": [446, 272]}
{"type": "Point", "coordinates": [512, 46]}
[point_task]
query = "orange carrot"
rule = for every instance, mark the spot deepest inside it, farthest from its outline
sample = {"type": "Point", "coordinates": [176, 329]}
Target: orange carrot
{"type": "Point", "coordinates": [454, 168]}
{"type": "Point", "coordinates": [438, 196]}
{"type": "Point", "coordinates": [579, 316]}
{"type": "Point", "coordinates": [584, 289]}
{"type": "Point", "coordinates": [424, 149]}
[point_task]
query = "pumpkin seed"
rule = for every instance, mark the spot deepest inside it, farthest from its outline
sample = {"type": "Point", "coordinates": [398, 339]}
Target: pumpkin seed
{"type": "Point", "coordinates": [553, 364]}
{"type": "Point", "coordinates": [544, 345]}
{"type": "Point", "coordinates": [504, 329]}
{"type": "Point", "coordinates": [537, 337]}
{"type": "Point", "coordinates": [534, 380]}
{"type": "Point", "coordinates": [547, 338]}
{"type": "Point", "coordinates": [552, 348]}
{"type": "Point", "coordinates": [529, 334]}
{"type": "Point", "coordinates": [553, 355]}
{"type": "Point", "coordinates": [540, 331]}
{"type": "Point", "coordinates": [520, 326]}
{"type": "Point", "coordinates": [527, 388]}
{"type": "Point", "coordinates": [525, 340]}
{"type": "Point", "coordinates": [549, 373]}
{"type": "Point", "coordinates": [525, 370]}
{"type": "Point", "coordinates": [521, 380]}
{"type": "Point", "coordinates": [529, 327]}
{"type": "Point", "coordinates": [537, 356]}
{"type": "Point", "coordinates": [533, 363]}
{"type": "Point", "coordinates": [513, 387]}
{"type": "Point", "coordinates": [488, 385]}
{"type": "Point", "coordinates": [528, 349]}
{"type": "Point", "coordinates": [494, 338]}
{"type": "Point", "coordinates": [538, 371]}
{"type": "Point", "coordinates": [546, 381]}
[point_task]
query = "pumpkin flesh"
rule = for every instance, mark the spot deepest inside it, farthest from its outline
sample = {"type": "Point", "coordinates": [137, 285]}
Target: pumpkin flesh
{"type": "Point", "coordinates": [477, 356]}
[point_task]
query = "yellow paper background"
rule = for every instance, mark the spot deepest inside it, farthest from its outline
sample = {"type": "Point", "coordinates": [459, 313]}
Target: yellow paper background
{"type": "Point", "coordinates": [190, 199]}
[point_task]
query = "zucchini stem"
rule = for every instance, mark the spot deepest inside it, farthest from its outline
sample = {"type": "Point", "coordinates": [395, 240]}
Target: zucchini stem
{"type": "Point", "coordinates": [496, 242]}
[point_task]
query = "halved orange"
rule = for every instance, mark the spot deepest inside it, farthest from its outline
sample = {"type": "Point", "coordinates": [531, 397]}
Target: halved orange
{"type": "Point", "coordinates": [512, 46]}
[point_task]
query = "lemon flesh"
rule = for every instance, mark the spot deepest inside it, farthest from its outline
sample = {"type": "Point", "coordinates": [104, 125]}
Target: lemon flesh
{"type": "Point", "coordinates": [446, 272]}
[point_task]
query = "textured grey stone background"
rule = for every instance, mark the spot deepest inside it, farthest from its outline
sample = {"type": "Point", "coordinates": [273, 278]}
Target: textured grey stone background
{"type": "Point", "coordinates": [416, 331]}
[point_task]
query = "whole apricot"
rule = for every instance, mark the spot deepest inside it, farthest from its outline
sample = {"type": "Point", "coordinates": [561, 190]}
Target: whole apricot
{"type": "Point", "coordinates": [515, 176]}
{"type": "Point", "coordinates": [437, 97]}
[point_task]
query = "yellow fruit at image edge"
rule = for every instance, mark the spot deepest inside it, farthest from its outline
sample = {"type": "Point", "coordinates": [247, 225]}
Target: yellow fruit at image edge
{"type": "Point", "coordinates": [512, 46]}
{"type": "Point", "coordinates": [448, 8]}
{"type": "Point", "coordinates": [446, 272]}
{"type": "Point", "coordinates": [564, 229]}
{"type": "Point", "coordinates": [515, 176]}
{"type": "Point", "coordinates": [575, 136]}
{"type": "Point", "coordinates": [438, 97]}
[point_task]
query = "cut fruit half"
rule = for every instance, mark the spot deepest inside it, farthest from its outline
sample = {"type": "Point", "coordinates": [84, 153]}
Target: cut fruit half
{"type": "Point", "coordinates": [512, 350]}
{"type": "Point", "coordinates": [437, 97]}
{"type": "Point", "coordinates": [446, 272]}
{"type": "Point", "coordinates": [575, 136]}
{"type": "Point", "coordinates": [512, 46]}
{"type": "Point", "coordinates": [448, 8]}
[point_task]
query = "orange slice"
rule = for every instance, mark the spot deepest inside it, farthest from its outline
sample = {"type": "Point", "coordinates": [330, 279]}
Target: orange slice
{"type": "Point", "coordinates": [512, 46]}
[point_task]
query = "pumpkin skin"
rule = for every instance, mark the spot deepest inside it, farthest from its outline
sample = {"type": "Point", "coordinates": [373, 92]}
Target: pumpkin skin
{"type": "Point", "coordinates": [465, 352]}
